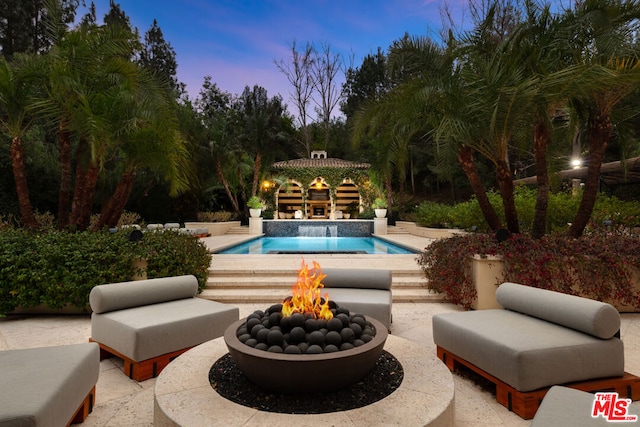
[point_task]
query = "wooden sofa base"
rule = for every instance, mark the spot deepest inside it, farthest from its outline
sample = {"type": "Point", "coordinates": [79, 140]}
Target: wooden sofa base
{"type": "Point", "coordinates": [525, 404]}
{"type": "Point", "coordinates": [86, 407]}
{"type": "Point", "coordinates": [143, 370]}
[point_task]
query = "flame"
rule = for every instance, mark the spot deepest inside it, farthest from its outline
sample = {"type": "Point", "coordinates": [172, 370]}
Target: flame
{"type": "Point", "coordinates": [306, 297]}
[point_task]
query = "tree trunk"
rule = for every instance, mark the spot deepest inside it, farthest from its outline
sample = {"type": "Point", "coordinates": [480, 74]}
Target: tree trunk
{"type": "Point", "coordinates": [86, 180]}
{"type": "Point", "coordinates": [22, 189]}
{"type": "Point", "coordinates": [468, 164]}
{"type": "Point", "coordinates": [64, 143]}
{"type": "Point", "coordinates": [225, 184]}
{"type": "Point", "coordinates": [505, 183]}
{"type": "Point", "coordinates": [112, 210]}
{"type": "Point", "coordinates": [257, 165]}
{"type": "Point", "coordinates": [541, 140]}
{"type": "Point", "coordinates": [599, 133]}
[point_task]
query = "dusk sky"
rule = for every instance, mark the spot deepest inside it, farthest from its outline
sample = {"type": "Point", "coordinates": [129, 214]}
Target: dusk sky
{"type": "Point", "coordinates": [237, 42]}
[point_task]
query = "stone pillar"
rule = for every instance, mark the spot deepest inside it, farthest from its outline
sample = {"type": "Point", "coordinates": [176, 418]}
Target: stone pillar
{"type": "Point", "coordinates": [255, 226]}
{"type": "Point", "coordinates": [380, 226]}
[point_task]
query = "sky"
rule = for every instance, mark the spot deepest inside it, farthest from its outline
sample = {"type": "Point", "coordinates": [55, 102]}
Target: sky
{"type": "Point", "coordinates": [236, 42]}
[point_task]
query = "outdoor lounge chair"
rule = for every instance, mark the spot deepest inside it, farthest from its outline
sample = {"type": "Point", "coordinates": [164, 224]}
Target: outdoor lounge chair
{"type": "Point", "coordinates": [48, 386]}
{"type": "Point", "coordinates": [148, 323]}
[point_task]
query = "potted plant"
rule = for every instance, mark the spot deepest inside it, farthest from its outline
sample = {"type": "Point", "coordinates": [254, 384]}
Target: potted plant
{"type": "Point", "coordinates": [380, 207]}
{"type": "Point", "coordinates": [352, 210]}
{"type": "Point", "coordinates": [255, 206]}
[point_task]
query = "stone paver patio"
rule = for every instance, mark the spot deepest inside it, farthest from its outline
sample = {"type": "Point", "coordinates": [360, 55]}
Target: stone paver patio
{"type": "Point", "coordinates": [124, 402]}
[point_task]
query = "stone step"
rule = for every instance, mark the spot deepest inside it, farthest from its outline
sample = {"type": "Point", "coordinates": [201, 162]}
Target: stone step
{"type": "Point", "coordinates": [242, 229]}
{"type": "Point", "coordinates": [392, 229]}
{"type": "Point", "coordinates": [271, 295]}
{"type": "Point", "coordinates": [287, 281]}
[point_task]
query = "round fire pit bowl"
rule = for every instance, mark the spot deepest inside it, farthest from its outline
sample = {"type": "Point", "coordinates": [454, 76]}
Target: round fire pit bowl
{"type": "Point", "coordinates": [305, 373]}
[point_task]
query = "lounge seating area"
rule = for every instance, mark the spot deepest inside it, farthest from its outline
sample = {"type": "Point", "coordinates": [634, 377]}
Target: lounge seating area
{"type": "Point", "coordinates": [124, 401]}
{"type": "Point", "coordinates": [540, 339]}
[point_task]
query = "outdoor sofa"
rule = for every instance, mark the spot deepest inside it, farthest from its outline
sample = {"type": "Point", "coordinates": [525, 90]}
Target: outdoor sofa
{"type": "Point", "coordinates": [366, 291]}
{"type": "Point", "coordinates": [48, 386]}
{"type": "Point", "coordinates": [148, 323]}
{"type": "Point", "coordinates": [568, 407]}
{"type": "Point", "coordinates": [539, 339]}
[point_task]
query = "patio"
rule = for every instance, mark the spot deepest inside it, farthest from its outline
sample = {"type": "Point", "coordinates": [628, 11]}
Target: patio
{"type": "Point", "coordinates": [124, 402]}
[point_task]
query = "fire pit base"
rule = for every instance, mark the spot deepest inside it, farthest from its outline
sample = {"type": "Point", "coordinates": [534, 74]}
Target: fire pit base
{"type": "Point", "coordinates": [184, 396]}
{"type": "Point", "coordinates": [305, 373]}
{"type": "Point", "coordinates": [229, 381]}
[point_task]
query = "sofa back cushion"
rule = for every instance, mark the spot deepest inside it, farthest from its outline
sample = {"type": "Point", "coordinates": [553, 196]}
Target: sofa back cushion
{"type": "Point", "coordinates": [118, 296]}
{"type": "Point", "coordinates": [363, 278]}
{"type": "Point", "coordinates": [582, 314]}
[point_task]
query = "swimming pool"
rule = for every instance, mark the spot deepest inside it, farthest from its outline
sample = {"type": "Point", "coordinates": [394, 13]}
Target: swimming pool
{"type": "Point", "coordinates": [317, 245]}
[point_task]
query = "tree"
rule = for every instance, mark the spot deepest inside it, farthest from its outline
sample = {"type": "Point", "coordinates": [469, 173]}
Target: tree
{"type": "Point", "coordinates": [370, 82]}
{"type": "Point", "coordinates": [325, 71]}
{"type": "Point", "coordinates": [159, 56]}
{"type": "Point", "coordinates": [262, 128]}
{"type": "Point", "coordinates": [603, 39]}
{"type": "Point", "coordinates": [17, 89]}
{"type": "Point", "coordinates": [220, 145]}
{"type": "Point", "coordinates": [23, 24]}
{"type": "Point", "coordinates": [299, 72]}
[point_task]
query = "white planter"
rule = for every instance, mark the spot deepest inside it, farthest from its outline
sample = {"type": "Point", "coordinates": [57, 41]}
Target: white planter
{"type": "Point", "coordinates": [380, 213]}
{"type": "Point", "coordinates": [487, 274]}
{"type": "Point", "coordinates": [255, 213]}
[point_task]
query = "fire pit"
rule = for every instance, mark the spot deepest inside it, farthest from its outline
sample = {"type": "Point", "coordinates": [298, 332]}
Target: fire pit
{"type": "Point", "coordinates": [321, 354]}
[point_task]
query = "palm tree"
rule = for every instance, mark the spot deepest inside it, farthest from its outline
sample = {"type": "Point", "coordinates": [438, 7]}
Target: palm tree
{"type": "Point", "coordinates": [601, 34]}
{"type": "Point", "coordinates": [17, 89]}
{"type": "Point", "coordinates": [88, 70]}
{"type": "Point", "coordinates": [145, 138]}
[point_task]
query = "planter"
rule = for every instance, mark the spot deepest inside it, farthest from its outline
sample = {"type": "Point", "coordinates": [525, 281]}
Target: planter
{"type": "Point", "coordinates": [214, 228]}
{"type": "Point", "coordinates": [255, 213]}
{"type": "Point", "coordinates": [487, 274]}
{"type": "Point", "coordinates": [380, 213]}
{"type": "Point", "coordinates": [346, 215]}
{"type": "Point", "coordinates": [139, 269]}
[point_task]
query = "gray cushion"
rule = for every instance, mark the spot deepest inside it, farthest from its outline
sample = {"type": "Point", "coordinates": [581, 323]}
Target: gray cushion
{"type": "Point", "coordinates": [118, 296]}
{"type": "Point", "coordinates": [589, 316]}
{"type": "Point", "coordinates": [372, 303]}
{"type": "Point", "coordinates": [45, 386]}
{"type": "Point", "coordinates": [363, 278]}
{"type": "Point", "coordinates": [526, 352]}
{"type": "Point", "coordinates": [567, 407]}
{"type": "Point", "coordinates": [144, 332]}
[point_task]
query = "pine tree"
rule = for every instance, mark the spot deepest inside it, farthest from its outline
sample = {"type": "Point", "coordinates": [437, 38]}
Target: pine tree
{"type": "Point", "coordinates": [159, 56]}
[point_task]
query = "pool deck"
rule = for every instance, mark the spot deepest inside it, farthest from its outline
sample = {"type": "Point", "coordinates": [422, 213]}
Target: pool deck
{"type": "Point", "coordinates": [124, 402]}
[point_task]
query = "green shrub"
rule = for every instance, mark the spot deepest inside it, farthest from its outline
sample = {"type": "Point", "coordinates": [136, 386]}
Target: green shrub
{"type": "Point", "coordinates": [57, 268]}
{"type": "Point", "coordinates": [220, 216]}
{"type": "Point", "coordinates": [560, 212]}
{"type": "Point", "coordinates": [436, 215]}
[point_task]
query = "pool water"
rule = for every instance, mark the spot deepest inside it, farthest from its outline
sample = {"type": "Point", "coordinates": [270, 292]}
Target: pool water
{"type": "Point", "coordinates": [297, 245]}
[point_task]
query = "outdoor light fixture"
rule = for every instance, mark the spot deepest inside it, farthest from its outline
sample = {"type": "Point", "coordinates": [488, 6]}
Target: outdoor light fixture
{"type": "Point", "coordinates": [576, 163]}
{"type": "Point", "coordinates": [318, 184]}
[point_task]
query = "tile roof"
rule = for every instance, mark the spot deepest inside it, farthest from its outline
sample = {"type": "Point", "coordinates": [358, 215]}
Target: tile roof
{"type": "Point", "coordinates": [320, 163]}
